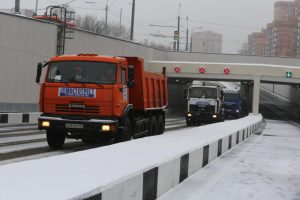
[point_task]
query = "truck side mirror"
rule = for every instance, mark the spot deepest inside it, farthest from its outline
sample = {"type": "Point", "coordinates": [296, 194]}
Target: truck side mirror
{"type": "Point", "coordinates": [221, 94]}
{"type": "Point", "coordinates": [130, 72]}
{"type": "Point", "coordinates": [131, 82]}
{"type": "Point", "coordinates": [38, 72]}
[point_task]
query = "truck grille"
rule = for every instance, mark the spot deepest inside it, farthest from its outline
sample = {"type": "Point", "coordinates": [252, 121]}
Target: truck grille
{"type": "Point", "coordinates": [196, 108]}
{"type": "Point", "coordinates": [65, 108]}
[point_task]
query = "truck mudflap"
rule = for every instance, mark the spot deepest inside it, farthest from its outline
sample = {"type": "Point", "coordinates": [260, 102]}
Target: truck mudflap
{"type": "Point", "coordinates": [94, 126]}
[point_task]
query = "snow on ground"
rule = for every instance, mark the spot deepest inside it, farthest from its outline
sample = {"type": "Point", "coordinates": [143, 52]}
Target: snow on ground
{"type": "Point", "coordinates": [264, 167]}
{"type": "Point", "coordinates": [22, 138]}
{"type": "Point", "coordinates": [10, 128]}
{"type": "Point", "coordinates": [67, 176]}
{"type": "Point", "coordinates": [27, 146]}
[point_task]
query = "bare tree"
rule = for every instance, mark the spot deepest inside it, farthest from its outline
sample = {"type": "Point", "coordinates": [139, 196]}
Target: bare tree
{"type": "Point", "coordinates": [91, 23]}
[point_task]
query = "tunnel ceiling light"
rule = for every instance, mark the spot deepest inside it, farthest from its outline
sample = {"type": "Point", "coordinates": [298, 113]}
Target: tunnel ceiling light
{"type": "Point", "coordinates": [177, 69]}
{"type": "Point", "coordinates": [226, 70]}
{"type": "Point", "coordinates": [289, 74]}
{"type": "Point", "coordinates": [202, 70]}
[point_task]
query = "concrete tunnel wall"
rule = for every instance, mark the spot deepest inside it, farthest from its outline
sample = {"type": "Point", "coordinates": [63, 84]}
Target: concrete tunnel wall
{"type": "Point", "coordinates": [292, 93]}
{"type": "Point", "coordinates": [25, 41]}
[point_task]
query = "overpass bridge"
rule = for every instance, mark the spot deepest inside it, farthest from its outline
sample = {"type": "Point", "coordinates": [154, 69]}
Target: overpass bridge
{"type": "Point", "coordinates": [258, 73]}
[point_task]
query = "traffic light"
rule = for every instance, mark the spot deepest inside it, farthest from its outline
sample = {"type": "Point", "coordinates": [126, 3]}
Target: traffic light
{"type": "Point", "coordinates": [289, 74]}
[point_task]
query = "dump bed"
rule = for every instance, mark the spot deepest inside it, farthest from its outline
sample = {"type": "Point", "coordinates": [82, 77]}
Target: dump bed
{"type": "Point", "coordinates": [150, 91]}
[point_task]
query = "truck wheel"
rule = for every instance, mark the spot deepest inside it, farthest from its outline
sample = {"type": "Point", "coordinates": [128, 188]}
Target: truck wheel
{"type": "Point", "coordinates": [55, 139]}
{"type": "Point", "coordinates": [128, 133]}
{"type": "Point", "coordinates": [189, 123]}
{"type": "Point", "coordinates": [221, 118]}
{"type": "Point", "coordinates": [160, 124]}
{"type": "Point", "coordinates": [153, 126]}
{"type": "Point", "coordinates": [88, 141]}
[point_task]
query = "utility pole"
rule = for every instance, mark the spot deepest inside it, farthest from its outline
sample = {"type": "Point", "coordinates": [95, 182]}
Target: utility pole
{"type": "Point", "coordinates": [120, 21]}
{"type": "Point", "coordinates": [106, 11]}
{"type": "Point", "coordinates": [132, 19]}
{"type": "Point", "coordinates": [187, 34]}
{"type": "Point", "coordinates": [17, 6]}
{"type": "Point", "coordinates": [36, 6]}
{"type": "Point", "coordinates": [178, 27]}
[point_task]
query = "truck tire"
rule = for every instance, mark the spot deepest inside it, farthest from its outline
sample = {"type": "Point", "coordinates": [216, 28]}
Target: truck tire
{"type": "Point", "coordinates": [160, 124]}
{"type": "Point", "coordinates": [55, 139]}
{"type": "Point", "coordinates": [126, 133]}
{"type": "Point", "coordinates": [153, 126]}
{"type": "Point", "coordinates": [88, 141]}
{"type": "Point", "coordinates": [189, 123]}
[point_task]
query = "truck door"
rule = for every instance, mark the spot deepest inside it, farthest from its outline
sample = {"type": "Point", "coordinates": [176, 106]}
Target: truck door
{"type": "Point", "coordinates": [123, 90]}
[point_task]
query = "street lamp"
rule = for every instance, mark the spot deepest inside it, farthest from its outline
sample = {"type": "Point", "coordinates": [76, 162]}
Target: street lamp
{"type": "Point", "coordinates": [197, 28]}
{"type": "Point", "coordinates": [36, 6]}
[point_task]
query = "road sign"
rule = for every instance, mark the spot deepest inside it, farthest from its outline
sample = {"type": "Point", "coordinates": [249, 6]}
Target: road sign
{"type": "Point", "coordinates": [177, 69]}
{"type": "Point", "coordinates": [226, 70]}
{"type": "Point", "coordinates": [289, 74]}
{"type": "Point", "coordinates": [202, 70]}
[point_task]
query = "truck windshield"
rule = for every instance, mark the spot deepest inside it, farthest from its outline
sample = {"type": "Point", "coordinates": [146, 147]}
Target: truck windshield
{"type": "Point", "coordinates": [231, 97]}
{"type": "Point", "coordinates": [82, 72]}
{"type": "Point", "coordinates": [202, 92]}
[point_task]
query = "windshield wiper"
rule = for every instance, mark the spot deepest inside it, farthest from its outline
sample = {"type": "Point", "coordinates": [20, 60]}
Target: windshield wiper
{"type": "Point", "coordinates": [93, 82]}
{"type": "Point", "coordinates": [86, 82]}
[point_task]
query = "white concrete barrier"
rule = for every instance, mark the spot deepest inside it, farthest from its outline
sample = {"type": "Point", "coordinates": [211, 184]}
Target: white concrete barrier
{"type": "Point", "coordinates": [141, 169]}
{"type": "Point", "coordinates": [19, 118]}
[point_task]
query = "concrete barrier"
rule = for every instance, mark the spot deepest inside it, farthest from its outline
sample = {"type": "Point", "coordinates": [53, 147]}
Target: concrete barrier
{"type": "Point", "coordinates": [18, 118]}
{"type": "Point", "coordinates": [141, 169]}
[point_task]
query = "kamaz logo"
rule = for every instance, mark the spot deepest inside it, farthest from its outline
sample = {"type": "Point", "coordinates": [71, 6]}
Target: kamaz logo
{"type": "Point", "coordinates": [76, 106]}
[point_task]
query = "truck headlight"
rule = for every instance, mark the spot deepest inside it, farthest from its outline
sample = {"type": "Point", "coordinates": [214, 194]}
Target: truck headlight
{"type": "Point", "coordinates": [237, 111]}
{"type": "Point", "coordinates": [214, 116]}
{"type": "Point", "coordinates": [189, 114]}
{"type": "Point", "coordinates": [45, 124]}
{"type": "Point", "coordinates": [105, 127]}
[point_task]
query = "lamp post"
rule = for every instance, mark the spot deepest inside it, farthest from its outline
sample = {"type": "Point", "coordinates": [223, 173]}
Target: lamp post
{"type": "Point", "coordinates": [36, 6]}
{"type": "Point", "coordinates": [132, 20]}
{"type": "Point", "coordinates": [191, 43]}
{"type": "Point", "coordinates": [17, 6]}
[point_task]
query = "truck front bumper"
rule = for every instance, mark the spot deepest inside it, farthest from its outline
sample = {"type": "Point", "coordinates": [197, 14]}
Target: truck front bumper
{"type": "Point", "coordinates": [201, 117]}
{"type": "Point", "coordinates": [92, 126]}
{"type": "Point", "coordinates": [235, 113]}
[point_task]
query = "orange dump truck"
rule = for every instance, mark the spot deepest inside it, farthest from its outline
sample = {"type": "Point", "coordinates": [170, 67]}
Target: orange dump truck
{"type": "Point", "coordinates": [95, 98]}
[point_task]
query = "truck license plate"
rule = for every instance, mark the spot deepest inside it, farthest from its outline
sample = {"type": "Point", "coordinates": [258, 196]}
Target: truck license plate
{"type": "Point", "coordinates": [77, 126]}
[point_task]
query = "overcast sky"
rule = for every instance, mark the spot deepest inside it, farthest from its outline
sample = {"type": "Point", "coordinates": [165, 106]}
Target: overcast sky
{"type": "Point", "coordinates": [235, 19]}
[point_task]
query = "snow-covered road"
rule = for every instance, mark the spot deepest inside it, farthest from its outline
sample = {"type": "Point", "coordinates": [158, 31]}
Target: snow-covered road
{"type": "Point", "coordinates": [19, 143]}
{"type": "Point", "coordinates": [264, 167]}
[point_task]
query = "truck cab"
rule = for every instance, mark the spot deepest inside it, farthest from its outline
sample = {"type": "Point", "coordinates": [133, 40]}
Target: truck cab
{"type": "Point", "coordinates": [203, 104]}
{"type": "Point", "coordinates": [232, 103]}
